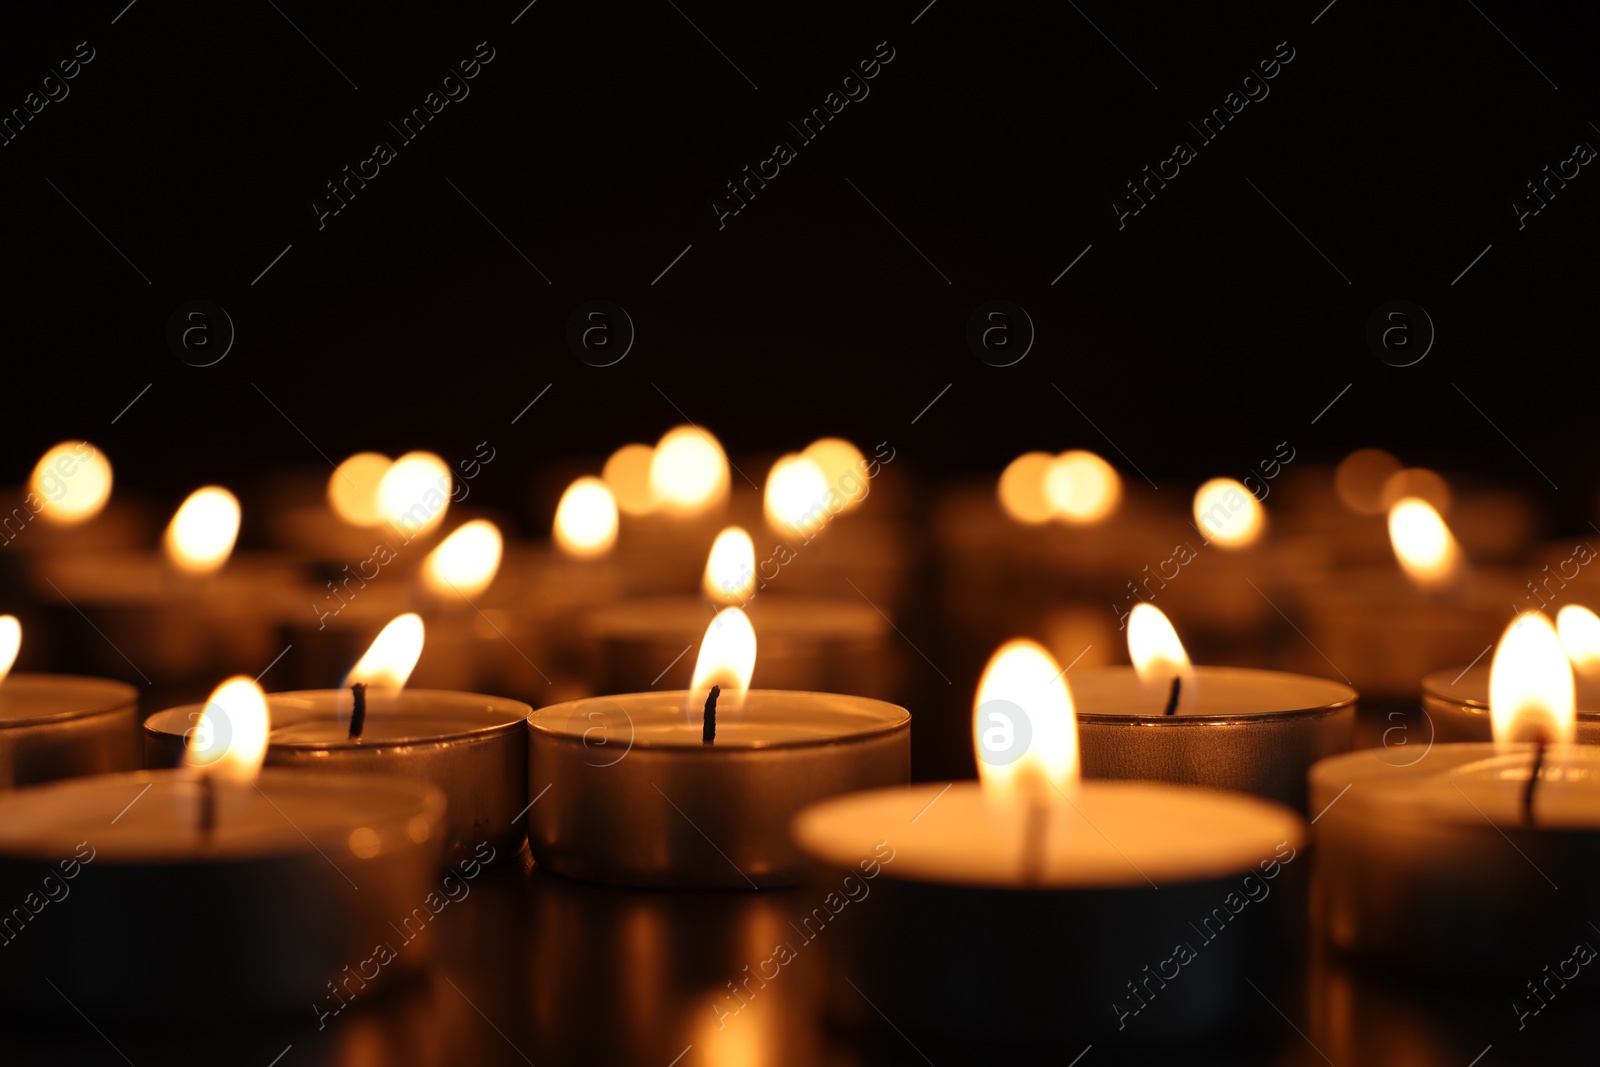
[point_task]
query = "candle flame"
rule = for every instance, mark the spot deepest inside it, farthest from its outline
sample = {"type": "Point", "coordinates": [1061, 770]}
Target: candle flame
{"type": "Point", "coordinates": [414, 492]}
{"type": "Point", "coordinates": [627, 475]}
{"type": "Point", "coordinates": [689, 470]}
{"type": "Point", "coordinates": [727, 658]}
{"type": "Point", "coordinates": [796, 497]}
{"type": "Point", "coordinates": [1579, 629]}
{"type": "Point", "coordinates": [1081, 487]}
{"type": "Point", "coordinates": [465, 563]}
{"type": "Point", "coordinates": [10, 643]}
{"type": "Point", "coordinates": [1025, 732]}
{"type": "Point", "coordinates": [353, 488]}
{"type": "Point", "coordinates": [202, 532]}
{"type": "Point", "coordinates": [1228, 514]}
{"type": "Point", "coordinates": [586, 519]}
{"type": "Point", "coordinates": [230, 740]}
{"type": "Point", "coordinates": [1531, 691]}
{"type": "Point", "coordinates": [1423, 543]}
{"type": "Point", "coordinates": [393, 655]}
{"type": "Point", "coordinates": [72, 481]}
{"type": "Point", "coordinates": [843, 468]}
{"type": "Point", "coordinates": [731, 567]}
{"type": "Point", "coordinates": [1158, 656]}
{"type": "Point", "coordinates": [1021, 489]}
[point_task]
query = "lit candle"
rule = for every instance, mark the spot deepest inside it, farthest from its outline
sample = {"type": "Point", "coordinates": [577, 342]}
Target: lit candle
{"type": "Point", "coordinates": [291, 878]}
{"type": "Point", "coordinates": [61, 726]}
{"type": "Point", "coordinates": [470, 746]}
{"type": "Point", "coordinates": [695, 788]}
{"type": "Point", "coordinates": [1053, 886]}
{"type": "Point", "coordinates": [1164, 720]}
{"type": "Point", "coordinates": [1442, 862]}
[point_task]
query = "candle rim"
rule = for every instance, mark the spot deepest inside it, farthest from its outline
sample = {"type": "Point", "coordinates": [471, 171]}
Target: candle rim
{"type": "Point", "coordinates": [305, 700]}
{"type": "Point", "coordinates": [1347, 698]}
{"type": "Point", "coordinates": [676, 698]}
{"type": "Point", "coordinates": [1467, 691]}
{"type": "Point", "coordinates": [117, 696]}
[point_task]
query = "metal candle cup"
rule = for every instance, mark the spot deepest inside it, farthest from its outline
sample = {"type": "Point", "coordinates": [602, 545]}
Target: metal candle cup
{"type": "Point", "coordinates": [62, 726]}
{"type": "Point", "coordinates": [1249, 730]}
{"type": "Point", "coordinates": [1130, 868]}
{"type": "Point", "coordinates": [468, 745]}
{"type": "Point", "coordinates": [1430, 865]}
{"type": "Point", "coordinates": [622, 789]}
{"type": "Point", "coordinates": [1457, 705]}
{"type": "Point", "coordinates": [138, 916]}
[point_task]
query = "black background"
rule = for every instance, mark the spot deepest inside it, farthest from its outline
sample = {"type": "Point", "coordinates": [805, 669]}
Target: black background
{"type": "Point", "coordinates": [1197, 337]}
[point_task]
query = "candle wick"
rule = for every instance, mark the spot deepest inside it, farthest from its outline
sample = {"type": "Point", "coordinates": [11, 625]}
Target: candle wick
{"type": "Point", "coordinates": [208, 807]}
{"type": "Point", "coordinates": [708, 725]}
{"type": "Point", "coordinates": [1533, 778]}
{"type": "Point", "coordinates": [1172, 696]}
{"type": "Point", "coordinates": [358, 714]}
{"type": "Point", "coordinates": [1034, 836]}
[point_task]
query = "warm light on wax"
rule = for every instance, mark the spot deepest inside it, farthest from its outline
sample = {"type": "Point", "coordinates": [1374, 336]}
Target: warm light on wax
{"type": "Point", "coordinates": [1423, 543]}
{"type": "Point", "coordinates": [730, 568]}
{"type": "Point", "coordinates": [1024, 678]}
{"type": "Point", "coordinates": [353, 488]}
{"type": "Point", "coordinates": [586, 519]}
{"type": "Point", "coordinates": [727, 658]}
{"type": "Point", "coordinates": [10, 643]}
{"type": "Point", "coordinates": [1531, 692]}
{"type": "Point", "coordinates": [465, 563]}
{"type": "Point", "coordinates": [1228, 514]}
{"type": "Point", "coordinates": [689, 471]}
{"type": "Point", "coordinates": [201, 534]}
{"type": "Point", "coordinates": [1082, 487]}
{"type": "Point", "coordinates": [73, 480]}
{"type": "Point", "coordinates": [230, 740]}
{"type": "Point", "coordinates": [393, 655]}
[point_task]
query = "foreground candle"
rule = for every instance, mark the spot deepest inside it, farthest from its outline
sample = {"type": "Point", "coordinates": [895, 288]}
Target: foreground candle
{"type": "Point", "coordinates": [1442, 863]}
{"type": "Point", "coordinates": [60, 726]}
{"type": "Point", "coordinates": [1068, 898]}
{"type": "Point", "coordinates": [682, 789]}
{"type": "Point", "coordinates": [289, 878]}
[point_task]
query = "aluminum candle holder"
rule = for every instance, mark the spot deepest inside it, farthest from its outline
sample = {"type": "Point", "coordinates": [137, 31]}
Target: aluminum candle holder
{"type": "Point", "coordinates": [624, 790]}
{"type": "Point", "coordinates": [1457, 705]}
{"type": "Point", "coordinates": [1253, 731]}
{"type": "Point", "coordinates": [468, 745]}
{"type": "Point", "coordinates": [62, 726]}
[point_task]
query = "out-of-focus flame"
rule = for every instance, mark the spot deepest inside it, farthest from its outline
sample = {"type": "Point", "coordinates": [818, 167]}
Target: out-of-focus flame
{"type": "Point", "coordinates": [1423, 543]}
{"type": "Point", "coordinates": [1081, 487]}
{"type": "Point", "coordinates": [465, 562]}
{"type": "Point", "coordinates": [586, 519]}
{"type": "Point", "coordinates": [230, 740]}
{"type": "Point", "coordinates": [627, 475]}
{"type": "Point", "coordinates": [201, 535]}
{"type": "Point", "coordinates": [72, 481]}
{"type": "Point", "coordinates": [1531, 692]}
{"type": "Point", "coordinates": [414, 493]}
{"type": "Point", "coordinates": [843, 467]}
{"type": "Point", "coordinates": [727, 658]}
{"type": "Point", "coordinates": [689, 471]}
{"type": "Point", "coordinates": [1228, 514]}
{"type": "Point", "coordinates": [353, 488]}
{"type": "Point", "coordinates": [393, 655]}
{"type": "Point", "coordinates": [1420, 483]}
{"type": "Point", "coordinates": [731, 567]}
{"type": "Point", "coordinates": [1360, 478]}
{"type": "Point", "coordinates": [1579, 629]}
{"type": "Point", "coordinates": [796, 498]}
{"type": "Point", "coordinates": [10, 643]}
{"type": "Point", "coordinates": [1158, 656]}
{"type": "Point", "coordinates": [1023, 690]}
{"type": "Point", "coordinates": [1022, 493]}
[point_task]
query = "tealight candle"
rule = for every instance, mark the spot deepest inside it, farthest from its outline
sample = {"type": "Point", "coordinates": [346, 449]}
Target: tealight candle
{"type": "Point", "coordinates": [662, 790]}
{"type": "Point", "coordinates": [470, 746]}
{"type": "Point", "coordinates": [1437, 863]}
{"type": "Point", "coordinates": [61, 726]}
{"type": "Point", "coordinates": [1228, 728]}
{"type": "Point", "coordinates": [1079, 906]}
{"type": "Point", "coordinates": [292, 879]}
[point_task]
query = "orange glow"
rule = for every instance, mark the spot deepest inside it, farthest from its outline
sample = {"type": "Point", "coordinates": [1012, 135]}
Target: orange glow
{"type": "Point", "coordinates": [627, 475]}
{"type": "Point", "coordinates": [796, 497]}
{"type": "Point", "coordinates": [201, 535]}
{"type": "Point", "coordinates": [1024, 679]}
{"type": "Point", "coordinates": [1423, 543]}
{"type": "Point", "coordinates": [731, 567]}
{"type": "Point", "coordinates": [230, 740]}
{"type": "Point", "coordinates": [72, 481]}
{"type": "Point", "coordinates": [10, 643]}
{"type": "Point", "coordinates": [1228, 514]}
{"type": "Point", "coordinates": [465, 563]}
{"type": "Point", "coordinates": [1082, 487]}
{"type": "Point", "coordinates": [393, 655]}
{"type": "Point", "coordinates": [353, 488]}
{"type": "Point", "coordinates": [1360, 479]}
{"type": "Point", "coordinates": [1531, 692]}
{"type": "Point", "coordinates": [1022, 492]}
{"type": "Point", "coordinates": [1419, 483]}
{"type": "Point", "coordinates": [1579, 629]}
{"type": "Point", "coordinates": [689, 470]}
{"type": "Point", "coordinates": [414, 493]}
{"type": "Point", "coordinates": [843, 468]}
{"type": "Point", "coordinates": [586, 519]}
{"type": "Point", "coordinates": [727, 658]}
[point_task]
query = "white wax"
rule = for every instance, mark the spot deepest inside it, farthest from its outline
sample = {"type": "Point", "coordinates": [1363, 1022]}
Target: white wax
{"type": "Point", "coordinates": [1212, 693]}
{"type": "Point", "coordinates": [769, 718]}
{"type": "Point", "coordinates": [26, 699]}
{"type": "Point", "coordinates": [1109, 834]}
